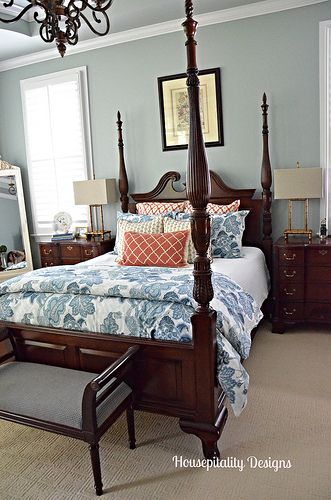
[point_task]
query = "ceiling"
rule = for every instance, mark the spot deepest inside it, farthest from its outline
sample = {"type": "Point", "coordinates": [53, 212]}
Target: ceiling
{"type": "Point", "coordinates": [22, 37]}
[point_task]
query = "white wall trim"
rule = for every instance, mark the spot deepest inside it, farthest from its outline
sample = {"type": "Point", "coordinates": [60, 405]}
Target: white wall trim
{"type": "Point", "coordinates": [325, 112]}
{"type": "Point", "coordinates": [217, 17]}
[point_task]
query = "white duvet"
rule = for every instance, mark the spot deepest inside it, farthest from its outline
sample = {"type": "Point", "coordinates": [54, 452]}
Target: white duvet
{"type": "Point", "coordinates": [250, 271]}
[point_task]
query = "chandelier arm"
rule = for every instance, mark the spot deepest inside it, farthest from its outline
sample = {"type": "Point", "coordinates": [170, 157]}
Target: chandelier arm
{"type": "Point", "coordinates": [72, 26]}
{"type": "Point", "coordinates": [100, 33]}
{"type": "Point", "coordinates": [52, 13]}
{"type": "Point", "coordinates": [72, 41]}
{"type": "Point", "coordinates": [37, 13]}
{"type": "Point", "coordinates": [45, 33]}
{"type": "Point", "coordinates": [21, 14]}
{"type": "Point", "coordinates": [10, 3]}
{"type": "Point", "coordinates": [85, 4]}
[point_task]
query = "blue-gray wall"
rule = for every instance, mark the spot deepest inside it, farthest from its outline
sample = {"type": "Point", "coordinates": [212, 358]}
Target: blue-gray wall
{"type": "Point", "coordinates": [276, 53]}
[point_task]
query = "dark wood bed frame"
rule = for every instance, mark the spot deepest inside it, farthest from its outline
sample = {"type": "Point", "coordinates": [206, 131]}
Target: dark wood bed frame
{"type": "Point", "coordinates": [170, 378]}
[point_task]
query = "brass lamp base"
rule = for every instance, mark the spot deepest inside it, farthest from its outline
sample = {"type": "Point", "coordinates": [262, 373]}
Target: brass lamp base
{"type": "Point", "coordinates": [97, 225]}
{"type": "Point", "coordinates": [97, 234]}
{"type": "Point", "coordinates": [305, 232]}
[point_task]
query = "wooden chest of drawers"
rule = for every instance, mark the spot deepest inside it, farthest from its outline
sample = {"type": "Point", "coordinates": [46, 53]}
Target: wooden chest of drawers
{"type": "Point", "coordinates": [302, 282]}
{"type": "Point", "coordinates": [71, 252]}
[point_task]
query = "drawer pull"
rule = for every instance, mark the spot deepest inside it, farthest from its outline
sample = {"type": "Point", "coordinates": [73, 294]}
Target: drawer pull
{"type": "Point", "coordinates": [290, 275]}
{"type": "Point", "coordinates": [47, 252]}
{"type": "Point", "coordinates": [70, 248]}
{"type": "Point", "coordinates": [289, 258]}
{"type": "Point", "coordinates": [88, 253]}
{"type": "Point", "coordinates": [49, 264]}
{"type": "Point", "coordinates": [289, 293]}
{"type": "Point", "coordinates": [322, 252]}
{"type": "Point", "coordinates": [289, 313]}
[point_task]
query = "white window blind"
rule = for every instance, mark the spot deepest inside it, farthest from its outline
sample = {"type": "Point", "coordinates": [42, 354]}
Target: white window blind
{"type": "Point", "coordinates": [57, 144]}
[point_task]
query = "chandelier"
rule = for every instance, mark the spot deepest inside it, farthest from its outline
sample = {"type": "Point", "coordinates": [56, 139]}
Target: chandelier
{"type": "Point", "coordinates": [60, 20]}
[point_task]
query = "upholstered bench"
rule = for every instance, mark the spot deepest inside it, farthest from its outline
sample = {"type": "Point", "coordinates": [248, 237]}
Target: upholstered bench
{"type": "Point", "coordinates": [74, 403]}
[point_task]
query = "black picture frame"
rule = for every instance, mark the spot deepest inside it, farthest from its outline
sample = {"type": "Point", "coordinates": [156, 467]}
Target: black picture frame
{"type": "Point", "coordinates": [173, 101]}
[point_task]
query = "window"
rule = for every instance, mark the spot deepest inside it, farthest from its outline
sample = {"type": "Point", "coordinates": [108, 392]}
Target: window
{"type": "Point", "coordinates": [325, 112]}
{"type": "Point", "coordinates": [57, 138]}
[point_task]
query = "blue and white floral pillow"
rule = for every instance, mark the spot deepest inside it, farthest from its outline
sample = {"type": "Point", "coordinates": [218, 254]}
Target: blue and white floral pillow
{"type": "Point", "coordinates": [130, 218]}
{"type": "Point", "coordinates": [226, 234]}
{"type": "Point", "coordinates": [180, 215]}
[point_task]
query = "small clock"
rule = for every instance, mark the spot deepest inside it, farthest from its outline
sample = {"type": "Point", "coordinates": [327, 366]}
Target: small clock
{"type": "Point", "coordinates": [62, 222]}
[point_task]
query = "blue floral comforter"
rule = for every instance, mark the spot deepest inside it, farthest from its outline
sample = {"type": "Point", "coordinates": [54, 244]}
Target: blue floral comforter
{"type": "Point", "coordinates": [152, 303]}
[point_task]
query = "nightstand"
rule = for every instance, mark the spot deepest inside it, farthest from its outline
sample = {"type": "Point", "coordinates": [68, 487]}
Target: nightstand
{"type": "Point", "coordinates": [71, 252]}
{"type": "Point", "coordinates": [302, 282]}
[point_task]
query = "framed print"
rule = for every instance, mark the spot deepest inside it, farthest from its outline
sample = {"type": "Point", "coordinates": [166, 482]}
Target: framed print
{"type": "Point", "coordinates": [80, 231]}
{"type": "Point", "coordinates": [174, 109]}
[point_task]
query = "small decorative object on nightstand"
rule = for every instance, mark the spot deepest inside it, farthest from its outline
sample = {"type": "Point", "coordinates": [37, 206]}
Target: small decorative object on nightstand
{"type": "Point", "coordinates": [323, 230]}
{"type": "Point", "coordinates": [72, 252]}
{"type": "Point", "coordinates": [3, 256]}
{"type": "Point", "coordinates": [302, 282]}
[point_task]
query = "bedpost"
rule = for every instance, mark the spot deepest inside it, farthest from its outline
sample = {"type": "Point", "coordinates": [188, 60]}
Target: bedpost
{"type": "Point", "coordinates": [123, 184]}
{"type": "Point", "coordinates": [210, 418]}
{"type": "Point", "coordinates": [266, 180]}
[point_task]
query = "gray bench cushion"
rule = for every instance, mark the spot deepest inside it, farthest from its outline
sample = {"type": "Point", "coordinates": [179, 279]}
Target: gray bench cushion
{"type": "Point", "coordinates": [50, 393]}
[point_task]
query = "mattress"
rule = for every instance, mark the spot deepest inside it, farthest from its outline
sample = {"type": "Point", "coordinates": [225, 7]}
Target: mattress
{"type": "Point", "coordinates": [250, 271]}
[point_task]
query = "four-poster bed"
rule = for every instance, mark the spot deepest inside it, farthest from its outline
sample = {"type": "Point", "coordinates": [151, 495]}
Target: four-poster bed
{"type": "Point", "coordinates": [170, 378]}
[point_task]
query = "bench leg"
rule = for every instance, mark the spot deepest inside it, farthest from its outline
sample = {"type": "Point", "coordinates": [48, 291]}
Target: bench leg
{"type": "Point", "coordinates": [95, 459]}
{"type": "Point", "coordinates": [131, 430]}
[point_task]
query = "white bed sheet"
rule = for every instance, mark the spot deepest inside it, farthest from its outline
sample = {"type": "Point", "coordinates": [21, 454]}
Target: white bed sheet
{"type": "Point", "coordinates": [250, 271]}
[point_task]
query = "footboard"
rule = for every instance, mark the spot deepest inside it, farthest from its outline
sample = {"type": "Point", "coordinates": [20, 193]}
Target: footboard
{"type": "Point", "coordinates": [164, 372]}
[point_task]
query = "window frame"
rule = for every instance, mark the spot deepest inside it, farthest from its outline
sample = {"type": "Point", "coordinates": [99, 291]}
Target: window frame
{"type": "Point", "coordinates": [81, 74]}
{"type": "Point", "coordinates": [325, 116]}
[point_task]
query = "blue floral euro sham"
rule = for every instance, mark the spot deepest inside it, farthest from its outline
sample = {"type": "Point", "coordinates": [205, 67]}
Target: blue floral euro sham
{"type": "Point", "coordinates": [154, 303]}
{"type": "Point", "coordinates": [226, 233]}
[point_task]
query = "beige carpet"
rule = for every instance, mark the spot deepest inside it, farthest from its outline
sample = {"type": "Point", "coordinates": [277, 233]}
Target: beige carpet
{"type": "Point", "coordinates": [287, 417]}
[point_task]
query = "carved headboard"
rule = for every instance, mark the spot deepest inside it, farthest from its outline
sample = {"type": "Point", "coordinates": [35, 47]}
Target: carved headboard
{"type": "Point", "coordinates": [221, 194]}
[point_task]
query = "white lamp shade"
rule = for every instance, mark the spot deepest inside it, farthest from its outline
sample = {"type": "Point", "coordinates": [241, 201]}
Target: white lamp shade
{"type": "Point", "coordinates": [292, 183]}
{"type": "Point", "coordinates": [95, 192]}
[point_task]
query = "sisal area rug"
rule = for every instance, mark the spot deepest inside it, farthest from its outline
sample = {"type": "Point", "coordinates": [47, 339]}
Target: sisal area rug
{"type": "Point", "coordinates": [286, 424]}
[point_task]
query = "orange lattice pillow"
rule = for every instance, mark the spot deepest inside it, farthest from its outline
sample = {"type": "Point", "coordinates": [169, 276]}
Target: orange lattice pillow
{"type": "Point", "coordinates": [158, 207]}
{"type": "Point", "coordinates": [213, 208]}
{"type": "Point", "coordinates": [158, 249]}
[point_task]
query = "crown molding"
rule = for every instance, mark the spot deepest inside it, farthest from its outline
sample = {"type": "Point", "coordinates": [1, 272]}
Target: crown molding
{"type": "Point", "coordinates": [221, 16]}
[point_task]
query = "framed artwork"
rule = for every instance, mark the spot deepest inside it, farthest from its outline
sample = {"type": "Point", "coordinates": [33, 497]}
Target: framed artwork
{"type": "Point", "coordinates": [80, 231]}
{"type": "Point", "coordinates": [174, 109]}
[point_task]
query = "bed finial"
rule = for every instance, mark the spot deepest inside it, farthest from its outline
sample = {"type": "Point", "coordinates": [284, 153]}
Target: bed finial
{"type": "Point", "coordinates": [189, 8]}
{"type": "Point", "coordinates": [123, 184]}
{"type": "Point", "coordinates": [210, 416]}
{"type": "Point", "coordinates": [266, 180]}
{"type": "Point", "coordinates": [198, 178]}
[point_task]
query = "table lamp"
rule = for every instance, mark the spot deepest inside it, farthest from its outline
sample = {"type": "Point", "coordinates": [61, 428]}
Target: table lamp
{"type": "Point", "coordinates": [95, 193]}
{"type": "Point", "coordinates": [298, 184]}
